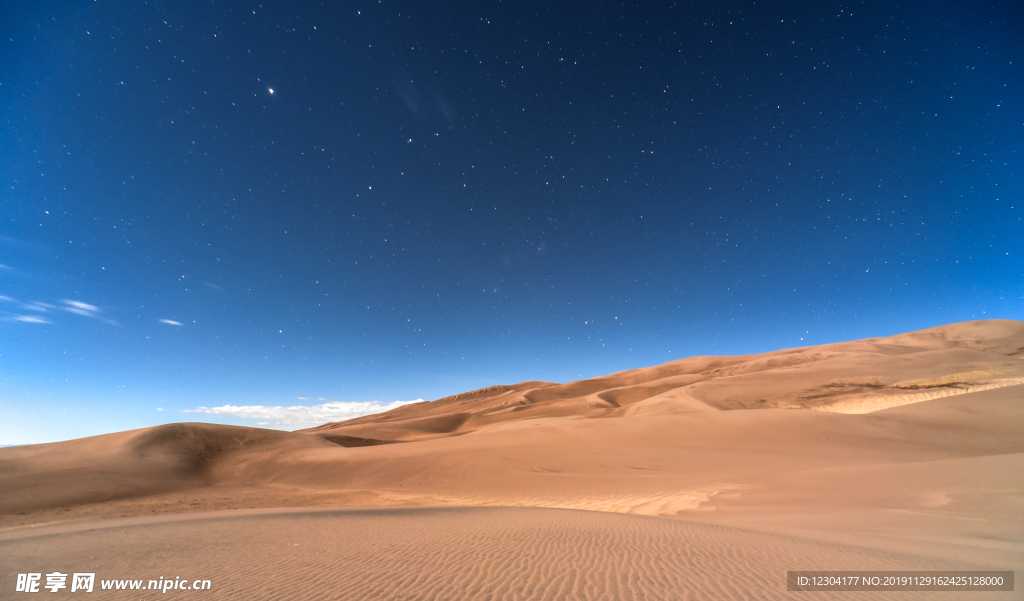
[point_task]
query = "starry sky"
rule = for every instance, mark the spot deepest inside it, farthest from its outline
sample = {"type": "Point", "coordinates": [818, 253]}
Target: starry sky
{"type": "Point", "coordinates": [285, 213]}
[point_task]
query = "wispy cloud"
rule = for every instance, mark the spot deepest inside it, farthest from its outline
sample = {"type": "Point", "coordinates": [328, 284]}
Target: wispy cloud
{"type": "Point", "coordinates": [29, 319]}
{"type": "Point", "coordinates": [70, 306]}
{"type": "Point", "coordinates": [171, 322]}
{"type": "Point", "coordinates": [80, 308]}
{"type": "Point", "coordinates": [303, 415]}
{"type": "Point", "coordinates": [85, 310]}
{"type": "Point", "coordinates": [37, 306]}
{"type": "Point", "coordinates": [21, 318]}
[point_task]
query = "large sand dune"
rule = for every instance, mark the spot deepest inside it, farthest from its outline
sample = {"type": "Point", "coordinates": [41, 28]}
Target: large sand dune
{"type": "Point", "coordinates": [839, 378]}
{"type": "Point", "coordinates": [907, 450]}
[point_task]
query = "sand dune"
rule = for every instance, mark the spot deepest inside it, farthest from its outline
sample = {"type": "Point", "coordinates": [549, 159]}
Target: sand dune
{"type": "Point", "coordinates": [848, 377]}
{"type": "Point", "coordinates": [906, 448]}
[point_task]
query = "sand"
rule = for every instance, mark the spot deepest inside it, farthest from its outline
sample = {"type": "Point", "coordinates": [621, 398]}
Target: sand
{"type": "Point", "coordinates": [449, 554]}
{"type": "Point", "coordinates": [707, 477]}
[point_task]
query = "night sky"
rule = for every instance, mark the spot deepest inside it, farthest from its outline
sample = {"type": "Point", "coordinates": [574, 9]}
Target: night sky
{"type": "Point", "coordinates": [225, 204]}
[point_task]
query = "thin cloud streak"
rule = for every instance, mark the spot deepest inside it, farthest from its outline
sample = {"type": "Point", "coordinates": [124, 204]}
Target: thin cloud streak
{"type": "Point", "coordinates": [171, 322]}
{"type": "Point", "coordinates": [69, 306]}
{"type": "Point", "coordinates": [86, 310]}
{"type": "Point", "coordinates": [30, 319]}
{"type": "Point", "coordinates": [37, 306]}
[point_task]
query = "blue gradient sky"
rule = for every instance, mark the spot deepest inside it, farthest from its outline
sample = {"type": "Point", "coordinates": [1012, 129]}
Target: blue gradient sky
{"type": "Point", "coordinates": [440, 196]}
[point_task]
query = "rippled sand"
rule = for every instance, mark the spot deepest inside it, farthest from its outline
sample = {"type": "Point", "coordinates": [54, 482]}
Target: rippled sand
{"type": "Point", "coordinates": [449, 554]}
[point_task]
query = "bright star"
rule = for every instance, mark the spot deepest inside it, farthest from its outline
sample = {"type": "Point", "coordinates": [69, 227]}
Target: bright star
{"type": "Point", "coordinates": [271, 90]}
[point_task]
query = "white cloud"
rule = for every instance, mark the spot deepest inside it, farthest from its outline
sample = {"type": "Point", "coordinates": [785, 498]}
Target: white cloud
{"type": "Point", "coordinates": [171, 322]}
{"type": "Point", "coordinates": [159, 408]}
{"type": "Point", "coordinates": [302, 415]}
{"type": "Point", "coordinates": [71, 306]}
{"type": "Point", "coordinates": [81, 308]}
{"type": "Point", "coordinates": [37, 306]}
{"type": "Point", "coordinates": [29, 319]}
{"type": "Point", "coordinates": [85, 310]}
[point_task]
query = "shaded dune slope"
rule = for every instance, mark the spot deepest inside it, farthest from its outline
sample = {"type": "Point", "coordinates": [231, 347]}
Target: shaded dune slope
{"type": "Point", "coordinates": [133, 464]}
